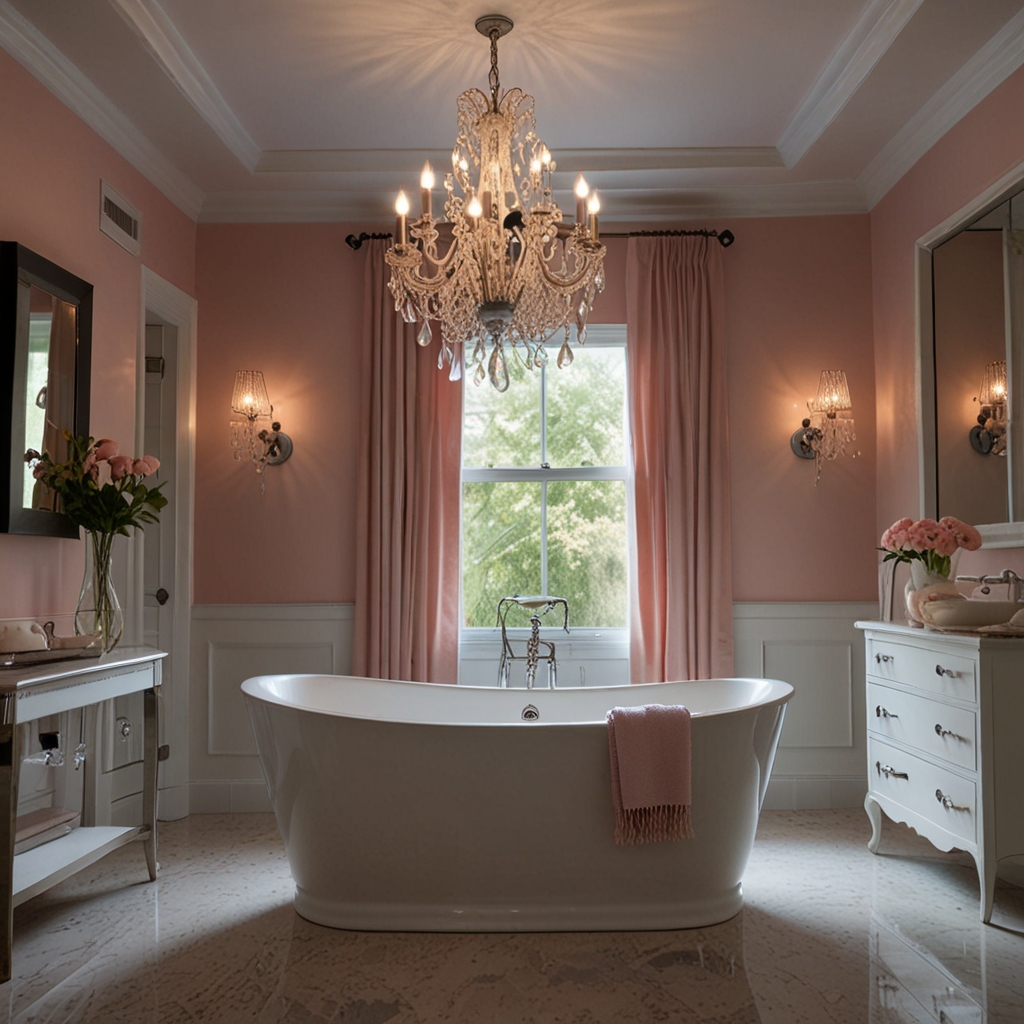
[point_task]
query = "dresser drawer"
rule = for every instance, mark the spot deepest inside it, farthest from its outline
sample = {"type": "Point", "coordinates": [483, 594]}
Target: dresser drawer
{"type": "Point", "coordinates": [939, 669]}
{"type": "Point", "coordinates": [942, 730]}
{"type": "Point", "coordinates": [941, 796]}
{"type": "Point", "coordinates": [918, 989]}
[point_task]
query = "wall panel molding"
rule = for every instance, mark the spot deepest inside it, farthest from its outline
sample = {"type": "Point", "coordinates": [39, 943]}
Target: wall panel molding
{"type": "Point", "coordinates": [814, 646]}
{"type": "Point", "coordinates": [230, 643]}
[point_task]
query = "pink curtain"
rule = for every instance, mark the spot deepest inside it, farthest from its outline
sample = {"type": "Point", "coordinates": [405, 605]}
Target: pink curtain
{"type": "Point", "coordinates": [681, 607]}
{"type": "Point", "coordinates": [407, 557]}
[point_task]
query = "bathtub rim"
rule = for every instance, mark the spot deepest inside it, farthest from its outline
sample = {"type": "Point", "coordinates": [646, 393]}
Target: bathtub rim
{"type": "Point", "coordinates": [779, 694]}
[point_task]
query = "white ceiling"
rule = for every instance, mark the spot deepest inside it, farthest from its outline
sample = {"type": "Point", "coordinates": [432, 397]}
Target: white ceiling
{"type": "Point", "coordinates": [322, 109]}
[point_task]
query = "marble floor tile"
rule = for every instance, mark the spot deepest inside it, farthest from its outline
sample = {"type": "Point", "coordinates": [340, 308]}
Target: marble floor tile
{"type": "Point", "coordinates": [829, 934]}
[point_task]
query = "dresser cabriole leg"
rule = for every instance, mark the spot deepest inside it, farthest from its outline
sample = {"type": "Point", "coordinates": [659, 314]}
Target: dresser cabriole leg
{"type": "Point", "coordinates": [151, 741]}
{"type": "Point", "coordinates": [874, 813]}
{"type": "Point", "coordinates": [987, 880]}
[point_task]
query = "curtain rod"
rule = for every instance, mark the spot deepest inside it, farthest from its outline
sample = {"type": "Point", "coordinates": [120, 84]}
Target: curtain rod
{"type": "Point", "coordinates": [725, 238]}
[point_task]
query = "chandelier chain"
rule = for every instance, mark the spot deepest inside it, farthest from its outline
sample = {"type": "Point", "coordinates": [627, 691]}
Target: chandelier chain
{"type": "Point", "coordinates": [492, 78]}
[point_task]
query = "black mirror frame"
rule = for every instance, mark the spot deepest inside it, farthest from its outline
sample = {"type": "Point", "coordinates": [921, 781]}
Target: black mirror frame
{"type": "Point", "coordinates": [20, 264]}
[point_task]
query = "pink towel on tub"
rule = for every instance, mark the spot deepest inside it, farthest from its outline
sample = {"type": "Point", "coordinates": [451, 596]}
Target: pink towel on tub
{"type": "Point", "coordinates": [650, 762]}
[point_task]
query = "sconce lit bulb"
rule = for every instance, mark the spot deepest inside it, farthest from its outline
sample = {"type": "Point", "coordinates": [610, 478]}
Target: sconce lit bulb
{"type": "Point", "coordinates": [474, 209]}
{"type": "Point", "coordinates": [824, 435]}
{"type": "Point", "coordinates": [263, 447]}
{"type": "Point", "coordinates": [402, 204]}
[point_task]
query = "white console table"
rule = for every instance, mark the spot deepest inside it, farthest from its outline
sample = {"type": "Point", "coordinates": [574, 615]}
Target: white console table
{"type": "Point", "coordinates": [30, 693]}
{"type": "Point", "coordinates": [945, 720]}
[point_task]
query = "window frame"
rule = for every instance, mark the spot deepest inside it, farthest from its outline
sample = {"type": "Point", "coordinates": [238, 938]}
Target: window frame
{"type": "Point", "coordinates": [589, 643]}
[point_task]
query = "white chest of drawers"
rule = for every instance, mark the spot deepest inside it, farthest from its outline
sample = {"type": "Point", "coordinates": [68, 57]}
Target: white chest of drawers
{"type": "Point", "coordinates": [946, 741]}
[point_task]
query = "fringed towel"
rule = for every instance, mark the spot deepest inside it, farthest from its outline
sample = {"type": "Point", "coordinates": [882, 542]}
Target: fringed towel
{"type": "Point", "coordinates": [650, 762]}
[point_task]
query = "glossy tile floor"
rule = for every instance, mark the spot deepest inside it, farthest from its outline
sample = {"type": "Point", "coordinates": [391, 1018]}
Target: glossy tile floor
{"type": "Point", "coordinates": [829, 933]}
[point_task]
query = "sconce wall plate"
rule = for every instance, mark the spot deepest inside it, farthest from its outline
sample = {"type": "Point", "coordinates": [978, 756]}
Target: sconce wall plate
{"type": "Point", "coordinates": [801, 440]}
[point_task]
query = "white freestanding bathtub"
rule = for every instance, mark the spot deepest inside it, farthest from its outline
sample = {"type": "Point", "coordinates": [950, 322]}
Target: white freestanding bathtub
{"type": "Point", "coordinates": [423, 807]}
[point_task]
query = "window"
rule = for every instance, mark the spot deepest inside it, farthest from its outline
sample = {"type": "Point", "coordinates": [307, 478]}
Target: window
{"type": "Point", "coordinates": [544, 499]}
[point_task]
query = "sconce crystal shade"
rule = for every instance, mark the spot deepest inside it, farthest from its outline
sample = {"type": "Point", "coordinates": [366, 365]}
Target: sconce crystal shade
{"type": "Point", "coordinates": [993, 384]}
{"type": "Point", "coordinates": [833, 394]}
{"type": "Point", "coordinates": [250, 398]}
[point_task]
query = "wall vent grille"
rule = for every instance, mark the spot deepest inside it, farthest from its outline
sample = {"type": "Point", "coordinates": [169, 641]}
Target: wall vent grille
{"type": "Point", "coordinates": [120, 220]}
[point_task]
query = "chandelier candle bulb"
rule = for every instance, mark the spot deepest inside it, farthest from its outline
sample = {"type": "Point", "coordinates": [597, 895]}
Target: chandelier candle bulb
{"type": "Point", "coordinates": [474, 209]}
{"type": "Point", "coordinates": [593, 206]}
{"type": "Point", "coordinates": [426, 185]}
{"type": "Point", "coordinates": [581, 189]}
{"type": "Point", "coordinates": [402, 209]}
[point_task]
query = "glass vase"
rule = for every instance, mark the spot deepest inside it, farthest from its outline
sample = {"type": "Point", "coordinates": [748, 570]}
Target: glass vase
{"type": "Point", "coordinates": [924, 586]}
{"type": "Point", "coordinates": [99, 611]}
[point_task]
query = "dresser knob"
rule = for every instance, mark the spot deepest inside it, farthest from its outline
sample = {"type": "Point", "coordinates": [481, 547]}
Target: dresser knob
{"type": "Point", "coordinates": [939, 731]}
{"type": "Point", "coordinates": [947, 802]}
{"type": "Point", "coordinates": [880, 658]}
{"type": "Point", "coordinates": [940, 671]}
{"type": "Point", "coordinates": [889, 772]}
{"type": "Point", "coordinates": [881, 712]}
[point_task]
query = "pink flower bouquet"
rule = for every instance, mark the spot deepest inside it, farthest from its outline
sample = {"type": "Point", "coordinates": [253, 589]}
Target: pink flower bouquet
{"type": "Point", "coordinates": [100, 488]}
{"type": "Point", "coordinates": [929, 541]}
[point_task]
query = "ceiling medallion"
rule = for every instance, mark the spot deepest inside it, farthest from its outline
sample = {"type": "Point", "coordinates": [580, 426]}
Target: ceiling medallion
{"type": "Point", "coordinates": [513, 274]}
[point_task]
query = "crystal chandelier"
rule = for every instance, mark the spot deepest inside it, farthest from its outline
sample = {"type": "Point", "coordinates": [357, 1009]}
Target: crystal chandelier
{"type": "Point", "coordinates": [513, 275]}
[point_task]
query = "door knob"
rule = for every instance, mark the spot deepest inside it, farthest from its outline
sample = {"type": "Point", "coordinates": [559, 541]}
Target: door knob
{"type": "Point", "coordinates": [161, 596]}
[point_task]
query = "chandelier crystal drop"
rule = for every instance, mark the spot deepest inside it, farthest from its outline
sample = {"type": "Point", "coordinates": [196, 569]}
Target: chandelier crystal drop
{"type": "Point", "coordinates": [512, 275]}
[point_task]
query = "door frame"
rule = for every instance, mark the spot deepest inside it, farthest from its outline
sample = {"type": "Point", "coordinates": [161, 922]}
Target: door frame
{"type": "Point", "coordinates": [180, 311]}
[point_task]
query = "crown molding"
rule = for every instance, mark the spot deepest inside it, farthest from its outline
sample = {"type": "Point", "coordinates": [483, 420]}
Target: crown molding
{"type": "Point", "coordinates": [989, 67]}
{"type": "Point", "coordinates": [865, 44]}
{"type": "Point", "coordinates": [169, 49]}
{"type": "Point", "coordinates": [802, 199]}
{"type": "Point", "coordinates": [26, 44]}
{"type": "Point", "coordinates": [304, 161]}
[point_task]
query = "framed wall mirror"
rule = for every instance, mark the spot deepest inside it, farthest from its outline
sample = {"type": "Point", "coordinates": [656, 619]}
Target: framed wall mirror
{"type": "Point", "coordinates": [45, 362]}
{"type": "Point", "coordinates": [970, 277]}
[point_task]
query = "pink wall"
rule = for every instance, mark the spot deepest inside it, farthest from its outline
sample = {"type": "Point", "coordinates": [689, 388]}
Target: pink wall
{"type": "Point", "coordinates": [51, 164]}
{"type": "Point", "coordinates": [972, 155]}
{"type": "Point", "coordinates": [286, 299]}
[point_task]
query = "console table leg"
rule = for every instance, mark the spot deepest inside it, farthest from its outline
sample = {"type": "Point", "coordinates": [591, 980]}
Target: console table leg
{"type": "Point", "coordinates": [874, 813]}
{"type": "Point", "coordinates": [9, 764]}
{"type": "Point", "coordinates": [151, 741]}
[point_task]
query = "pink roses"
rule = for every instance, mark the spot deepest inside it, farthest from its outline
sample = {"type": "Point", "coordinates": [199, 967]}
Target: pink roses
{"type": "Point", "coordinates": [930, 541]}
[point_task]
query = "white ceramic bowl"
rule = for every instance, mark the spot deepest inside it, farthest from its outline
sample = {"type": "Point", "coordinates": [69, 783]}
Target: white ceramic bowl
{"type": "Point", "coordinates": [967, 614]}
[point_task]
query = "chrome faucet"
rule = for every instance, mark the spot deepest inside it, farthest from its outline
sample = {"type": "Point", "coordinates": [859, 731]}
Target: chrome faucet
{"type": "Point", "coordinates": [1014, 584]}
{"type": "Point", "coordinates": [539, 606]}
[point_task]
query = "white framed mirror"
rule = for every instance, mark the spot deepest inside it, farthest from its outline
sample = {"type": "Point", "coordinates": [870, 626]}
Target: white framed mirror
{"type": "Point", "coordinates": [970, 364]}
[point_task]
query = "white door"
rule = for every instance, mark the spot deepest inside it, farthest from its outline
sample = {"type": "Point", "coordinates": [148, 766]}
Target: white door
{"type": "Point", "coordinates": [121, 744]}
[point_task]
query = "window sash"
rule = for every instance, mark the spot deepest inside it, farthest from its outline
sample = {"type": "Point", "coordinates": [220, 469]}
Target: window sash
{"type": "Point", "coordinates": [614, 638]}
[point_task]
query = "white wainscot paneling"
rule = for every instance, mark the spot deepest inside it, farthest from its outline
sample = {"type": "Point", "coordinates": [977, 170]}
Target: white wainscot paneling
{"type": "Point", "coordinates": [231, 643]}
{"type": "Point", "coordinates": [814, 647]}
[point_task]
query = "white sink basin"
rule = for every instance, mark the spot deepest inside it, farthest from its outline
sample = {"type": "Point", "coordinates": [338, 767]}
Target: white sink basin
{"type": "Point", "coordinates": [967, 614]}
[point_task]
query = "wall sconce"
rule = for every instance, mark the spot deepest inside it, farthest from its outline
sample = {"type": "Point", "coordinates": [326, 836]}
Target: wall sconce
{"type": "Point", "coordinates": [825, 434]}
{"type": "Point", "coordinates": [989, 436]}
{"type": "Point", "coordinates": [263, 447]}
